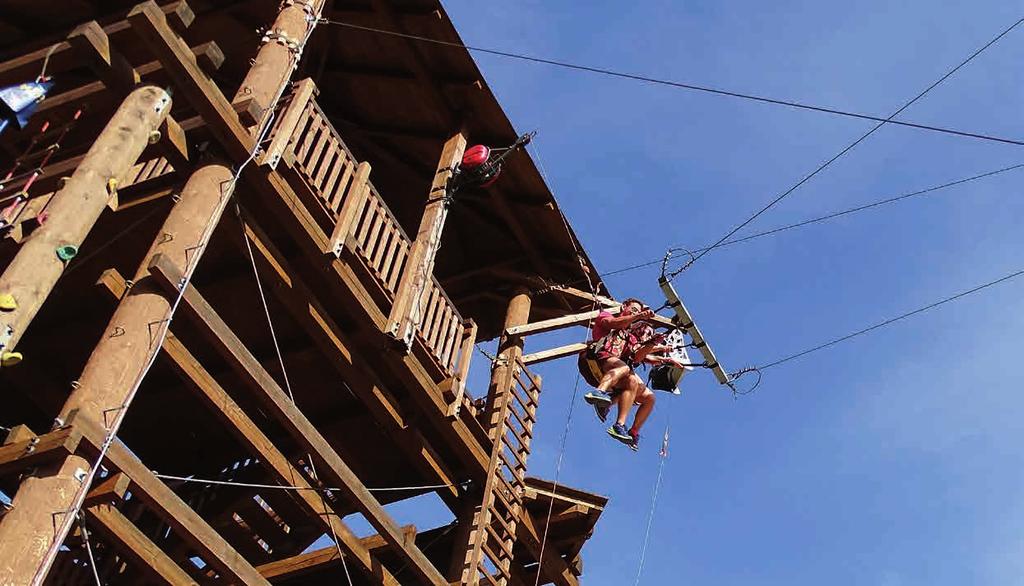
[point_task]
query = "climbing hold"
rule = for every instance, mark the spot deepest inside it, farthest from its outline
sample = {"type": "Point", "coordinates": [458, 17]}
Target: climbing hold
{"type": "Point", "coordinates": [154, 137]}
{"type": "Point", "coordinates": [10, 358]}
{"type": "Point", "coordinates": [8, 302]}
{"type": "Point", "coordinates": [42, 217]}
{"type": "Point", "coordinates": [112, 184]}
{"type": "Point", "coordinates": [67, 252]}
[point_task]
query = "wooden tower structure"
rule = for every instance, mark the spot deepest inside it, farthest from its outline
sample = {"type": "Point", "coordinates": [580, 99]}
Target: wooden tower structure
{"type": "Point", "coordinates": [202, 169]}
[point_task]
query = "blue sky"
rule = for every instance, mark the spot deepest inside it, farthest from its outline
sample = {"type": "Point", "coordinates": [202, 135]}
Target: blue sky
{"type": "Point", "coordinates": [892, 460]}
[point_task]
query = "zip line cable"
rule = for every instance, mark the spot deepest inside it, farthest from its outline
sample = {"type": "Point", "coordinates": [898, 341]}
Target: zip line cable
{"type": "Point", "coordinates": [679, 85]}
{"type": "Point", "coordinates": [884, 323]}
{"type": "Point", "coordinates": [848, 148]}
{"type": "Point", "coordinates": [663, 454]}
{"type": "Point", "coordinates": [817, 219]}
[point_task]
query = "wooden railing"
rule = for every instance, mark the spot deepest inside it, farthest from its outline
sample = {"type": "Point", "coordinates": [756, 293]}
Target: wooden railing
{"type": "Point", "coordinates": [337, 191]}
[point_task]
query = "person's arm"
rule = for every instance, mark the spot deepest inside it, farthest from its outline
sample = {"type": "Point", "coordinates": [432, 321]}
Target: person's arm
{"type": "Point", "coordinates": [624, 321]}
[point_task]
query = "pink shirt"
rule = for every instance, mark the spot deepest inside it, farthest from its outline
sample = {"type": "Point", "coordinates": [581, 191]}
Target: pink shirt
{"type": "Point", "coordinates": [601, 328]}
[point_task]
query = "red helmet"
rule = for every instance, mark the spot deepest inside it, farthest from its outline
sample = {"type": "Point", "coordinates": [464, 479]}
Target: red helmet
{"type": "Point", "coordinates": [475, 156]}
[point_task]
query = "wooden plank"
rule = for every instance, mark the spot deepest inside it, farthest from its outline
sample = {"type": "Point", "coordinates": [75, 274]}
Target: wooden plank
{"type": "Point", "coordinates": [319, 559]}
{"type": "Point", "coordinates": [337, 190]}
{"type": "Point", "coordinates": [144, 555]}
{"type": "Point", "coordinates": [554, 353]}
{"type": "Point", "coordinates": [31, 452]}
{"type": "Point", "coordinates": [293, 420]}
{"type": "Point", "coordinates": [185, 522]}
{"type": "Point", "coordinates": [110, 491]}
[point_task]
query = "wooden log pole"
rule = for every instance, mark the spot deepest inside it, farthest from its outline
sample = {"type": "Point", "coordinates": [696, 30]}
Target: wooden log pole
{"type": "Point", "coordinates": [279, 52]}
{"type": "Point", "coordinates": [37, 520]}
{"type": "Point", "coordinates": [74, 209]}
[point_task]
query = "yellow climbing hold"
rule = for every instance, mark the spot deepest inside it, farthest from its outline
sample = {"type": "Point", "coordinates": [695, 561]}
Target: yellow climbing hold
{"type": "Point", "coordinates": [10, 358]}
{"type": "Point", "coordinates": [7, 302]}
{"type": "Point", "coordinates": [112, 184]}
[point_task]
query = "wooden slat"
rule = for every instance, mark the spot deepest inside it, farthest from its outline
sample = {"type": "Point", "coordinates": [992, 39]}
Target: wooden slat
{"type": "Point", "coordinates": [399, 267]}
{"type": "Point", "coordinates": [338, 162]}
{"type": "Point", "coordinates": [339, 189]}
{"type": "Point", "coordinates": [316, 560]}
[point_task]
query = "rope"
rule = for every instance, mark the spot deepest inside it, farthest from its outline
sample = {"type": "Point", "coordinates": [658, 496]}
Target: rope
{"type": "Point", "coordinates": [88, 550]}
{"type": "Point", "coordinates": [681, 85]}
{"type": "Point", "coordinates": [292, 487]}
{"type": "Point", "coordinates": [227, 190]}
{"type": "Point", "coordinates": [46, 61]}
{"type": "Point", "coordinates": [273, 332]}
{"type": "Point", "coordinates": [850, 147]}
{"type": "Point", "coordinates": [654, 502]}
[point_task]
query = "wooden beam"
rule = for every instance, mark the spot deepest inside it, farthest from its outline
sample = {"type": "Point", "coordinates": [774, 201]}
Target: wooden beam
{"type": "Point", "coordinates": [34, 451]}
{"type": "Point", "coordinates": [63, 58]}
{"type": "Point", "coordinates": [319, 559]}
{"type": "Point", "coordinates": [110, 492]}
{"type": "Point", "coordinates": [93, 46]}
{"type": "Point", "coordinates": [185, 522]}
{"type": "Point", "coordinates": [549, 325]}
{"type": "Point", "coordinates": [133, 545]}
{"type": "Point", "coordinates": [258, 444]}
{"type": "Point", "coordinates": [294, 421]}
{"type": "Point", "coordinates": [554, 353]}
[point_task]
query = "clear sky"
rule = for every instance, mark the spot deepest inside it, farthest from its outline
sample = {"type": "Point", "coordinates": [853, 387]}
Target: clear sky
{"type": "Point", "coordinates": [892, 460]}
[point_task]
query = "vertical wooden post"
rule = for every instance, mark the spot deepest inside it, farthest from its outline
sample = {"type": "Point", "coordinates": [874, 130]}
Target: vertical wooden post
{"type": "Point", "coordinates": [74, 209]}
{"type": "Point", "coordinates": [406, 310]}
{"type": "Point", "coordinates": [36, 521]}
{"type": "Point", "coordinates": [275, 62]}
{"type": "Point", "coordinates": [510, 349]}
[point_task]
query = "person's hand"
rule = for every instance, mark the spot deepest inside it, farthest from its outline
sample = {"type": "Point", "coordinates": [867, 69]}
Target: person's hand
{"type": "Point", "coordinates": [643, 315]}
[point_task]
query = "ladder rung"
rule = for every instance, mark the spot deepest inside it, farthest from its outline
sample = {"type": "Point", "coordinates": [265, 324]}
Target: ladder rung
{"type": "Point", "coordinates": [495, 559]}
{"type": "Point", "coordinates": [502, 541]}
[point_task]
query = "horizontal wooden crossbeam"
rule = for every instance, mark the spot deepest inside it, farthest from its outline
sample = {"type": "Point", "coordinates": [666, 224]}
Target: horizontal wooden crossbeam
{"type": "Point", "coordinates": [31, 452]}
{"type": "Point", "coordinates": [316, 560]}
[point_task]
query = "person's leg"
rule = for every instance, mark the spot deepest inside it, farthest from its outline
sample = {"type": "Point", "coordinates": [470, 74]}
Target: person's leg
{"type": "Point", "coordinates": [615, 375]}
{"type": "Point", "coordinates": [646, 401]}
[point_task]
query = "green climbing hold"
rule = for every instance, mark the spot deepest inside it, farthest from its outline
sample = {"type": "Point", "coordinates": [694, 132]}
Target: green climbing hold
{"type": "Point", "coordinates": [67, 252]}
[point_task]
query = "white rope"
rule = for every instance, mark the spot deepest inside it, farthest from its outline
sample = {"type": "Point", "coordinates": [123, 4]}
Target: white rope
{"type": "Point", "coordinates": [190, 267]}
{"type": "Point", "coordinates": [654, 502]}
{"type": "Point", "coordinates": [273, 333]}
{"type": "Point", "coordinates": [88, 550]}
{"type": "Point", "coordinates": [292, 487]}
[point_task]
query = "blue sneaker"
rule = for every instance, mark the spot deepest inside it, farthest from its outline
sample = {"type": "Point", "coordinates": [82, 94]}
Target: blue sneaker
{"type": "Point", "coordinates": [601, 403]}
{"type": "Point", "coordinates": [620, 433]}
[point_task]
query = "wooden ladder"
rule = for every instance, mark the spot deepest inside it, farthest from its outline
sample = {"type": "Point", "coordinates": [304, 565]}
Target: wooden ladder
{"type": "Point", "coordinates": [493, 537]}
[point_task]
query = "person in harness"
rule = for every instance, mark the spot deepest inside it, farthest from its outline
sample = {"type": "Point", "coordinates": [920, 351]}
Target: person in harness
{"type": "Point", "coordinates": [619, 343]}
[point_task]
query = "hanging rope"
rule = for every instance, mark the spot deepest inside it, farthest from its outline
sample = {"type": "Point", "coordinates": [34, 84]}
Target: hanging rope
{"type": "Point", "coordinates": [46, 61]}
{"type": "Point", "coordinates": [654, 501]}
{"type": "Point", "coordinates": [88, 549]}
